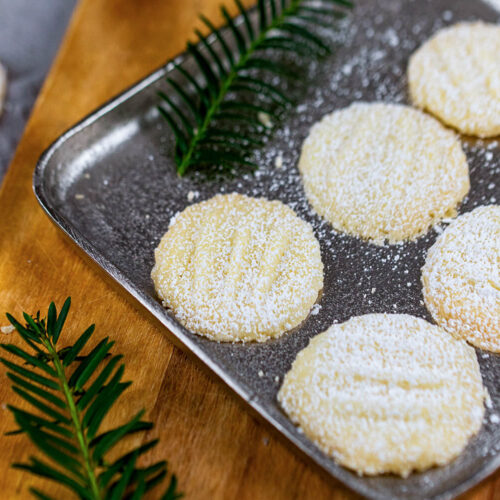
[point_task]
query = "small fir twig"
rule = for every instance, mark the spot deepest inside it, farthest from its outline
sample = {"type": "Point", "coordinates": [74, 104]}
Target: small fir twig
{"type": "Point", "coordinates": [72, 394]}
{"type": "Point", "coordinates": [218, 123]}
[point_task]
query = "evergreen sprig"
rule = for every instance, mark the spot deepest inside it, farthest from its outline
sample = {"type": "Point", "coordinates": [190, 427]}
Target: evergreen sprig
{"type": "Point", "coordinates": [218, 122]}
{"type": "Point", "coordinates": [72, 394]}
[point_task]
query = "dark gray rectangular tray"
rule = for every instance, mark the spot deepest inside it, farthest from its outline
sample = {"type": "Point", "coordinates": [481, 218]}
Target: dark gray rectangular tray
{"type": "Point", "coordinates": [110, 184]}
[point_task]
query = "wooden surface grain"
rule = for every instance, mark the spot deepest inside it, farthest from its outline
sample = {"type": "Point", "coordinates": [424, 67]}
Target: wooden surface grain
{"type": "Point", "coordinates": [214, 446]}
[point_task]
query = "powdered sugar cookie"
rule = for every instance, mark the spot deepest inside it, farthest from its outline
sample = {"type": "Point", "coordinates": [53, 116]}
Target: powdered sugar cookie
{"type": "Point", "coordinates": [386, 393]}
{"type": "Point", "coordinates": [461, 278]}
{"type": "Point", "coordinates": [383, 171]}
{"type": "Point", "coordinates": [236, 268]}
{"type": "Point", "coordinates": [456, 76]}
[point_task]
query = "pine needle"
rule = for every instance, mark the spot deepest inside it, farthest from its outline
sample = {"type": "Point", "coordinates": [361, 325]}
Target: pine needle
{"type": "Point", "coordinates": [72, 394]}
{"type": "Point", "coordinates": [241, 79]}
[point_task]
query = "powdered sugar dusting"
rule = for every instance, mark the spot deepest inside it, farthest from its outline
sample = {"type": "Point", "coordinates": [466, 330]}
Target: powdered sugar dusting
{"type": "Point", "coordinates": [461, 278]}
{"type": "Point", "coordinates": [456, 75]}
{"type": "Point", "coordinates": [124, 218]}
{"type": "Point", "coordinates": [382, 171]}
{"type": "Point", "coordinates": [236, 268]}
{"type": "Point", "coordinates": [386, 393]}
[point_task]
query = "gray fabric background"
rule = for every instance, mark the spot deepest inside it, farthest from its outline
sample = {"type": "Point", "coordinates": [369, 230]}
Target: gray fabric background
{"type": "Point", "coordinates": [30, 34]}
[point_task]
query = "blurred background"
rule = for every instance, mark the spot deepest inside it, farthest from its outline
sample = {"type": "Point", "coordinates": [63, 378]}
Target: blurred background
{"type": "Point", "coordinates": [30, 34]}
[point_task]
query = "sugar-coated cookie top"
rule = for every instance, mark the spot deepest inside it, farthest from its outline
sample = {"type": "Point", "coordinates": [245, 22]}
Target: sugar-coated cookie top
{"type": "Point", "coordinates": [456, 76]}
{"type": "Point", "coordinates": [386, 393]}
{"type": "Point", "coordinates": [236, 268]}
{"type": "Point", "coordinates": [383, 171]}
{"type": "Point", "coordinates": [461, 278]}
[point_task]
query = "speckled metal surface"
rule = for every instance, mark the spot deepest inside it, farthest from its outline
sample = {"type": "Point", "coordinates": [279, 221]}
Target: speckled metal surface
{"type": "Point", "coordinates": [110, 184]}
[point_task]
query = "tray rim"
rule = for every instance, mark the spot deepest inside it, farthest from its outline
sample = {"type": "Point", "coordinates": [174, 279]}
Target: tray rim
{"type": "Point", "coordinates": [174, 331]}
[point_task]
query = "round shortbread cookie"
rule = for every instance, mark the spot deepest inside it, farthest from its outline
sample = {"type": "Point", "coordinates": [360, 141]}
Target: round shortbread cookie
{"type": "Point", "coordinates": [236, 268]}
{"type": "Point", "coordinates": [461, 278]}
{"type": "Point", "coordinates": [383, 171]}
{"type": "Point", "coordinates": [456, 76]}
{"type": "Point", "coordinates": [386, 393]}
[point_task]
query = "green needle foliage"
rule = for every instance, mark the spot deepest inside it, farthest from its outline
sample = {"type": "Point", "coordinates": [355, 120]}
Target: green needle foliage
{"type": "Point", "coordinates": [219, 121]}
{"type": "Point", "coordinates": [72, 394]}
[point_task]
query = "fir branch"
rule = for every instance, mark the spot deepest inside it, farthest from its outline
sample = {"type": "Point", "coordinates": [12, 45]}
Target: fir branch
{"type": "Point", "coordinates": [71, 410]}
{"type": "Point", "coordinates": [284, 26]}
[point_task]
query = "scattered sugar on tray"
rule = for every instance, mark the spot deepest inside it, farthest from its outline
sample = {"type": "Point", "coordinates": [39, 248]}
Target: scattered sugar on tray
{"type": "Point", "coordinates": [487, 402]}
{"type": "Point", "coordinates": [369, 66]}
{"type": "Point", "coordinates": [416, 28]}
{"type": "Point", "coordinates": [265, 119]}
{"type": "Point", "coordinates": [278, 161]}
{"type": "Point", "coordinates": [192, 195]}
{"type": "Point", "coordinates": [447, 15]}
{"type": "Point", "coordinates": [391, 37]}
{"type": "Point", "coordinates": [347, 69]}
{"type": "Point", "coordinates": [315, 309]}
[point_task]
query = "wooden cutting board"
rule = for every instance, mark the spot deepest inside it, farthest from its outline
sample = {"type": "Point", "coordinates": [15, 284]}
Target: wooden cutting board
{"type": "Point", "coordinates": [217, 450]}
